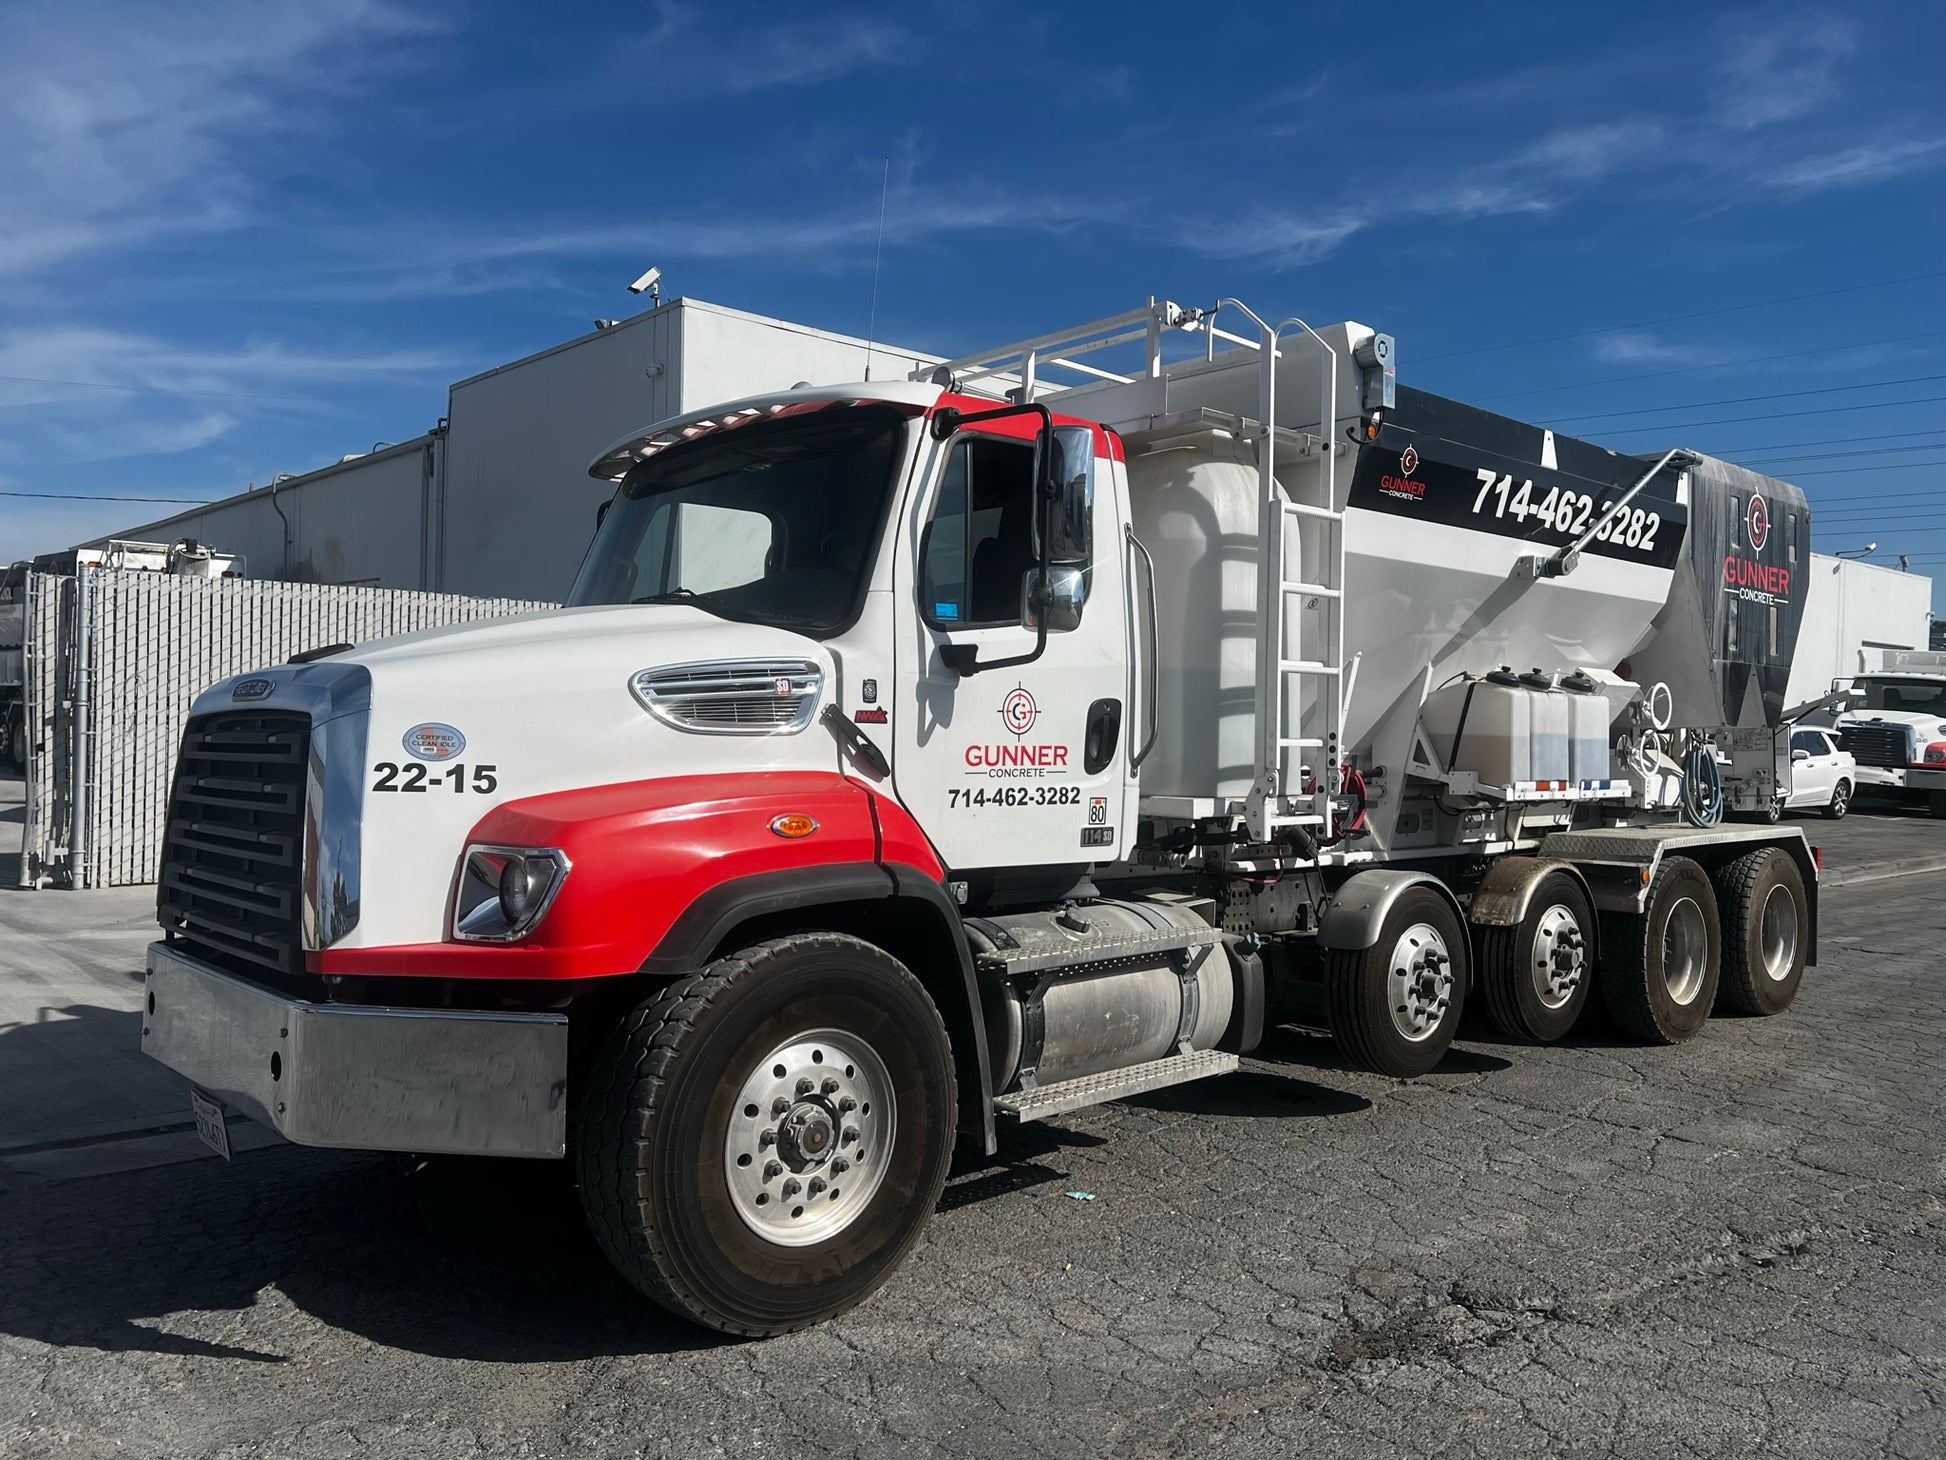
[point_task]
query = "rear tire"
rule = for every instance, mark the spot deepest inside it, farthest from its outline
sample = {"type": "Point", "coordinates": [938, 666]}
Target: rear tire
{"type": "Point", "coordinates": [1766, 927]}
{"type": "Point", "coordinates": [719, 1187]}
{"type": "Point", "coordinates": [1840, 801]}
{"type": "Point", "coordinates": [1660, 970]}
{"type": "Point", "coordinates": [16, 731]}
{"type": "Point", "coordinates": [1536, 976]}
{"type": "Point", "coordinates": [1394, 1007]}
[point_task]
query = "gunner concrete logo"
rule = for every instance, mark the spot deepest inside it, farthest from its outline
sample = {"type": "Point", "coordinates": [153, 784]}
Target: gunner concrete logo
{"type": "Point", "coordinates": [1018, 711]}
{"type": "Point", "coordinates": [1758, 521]}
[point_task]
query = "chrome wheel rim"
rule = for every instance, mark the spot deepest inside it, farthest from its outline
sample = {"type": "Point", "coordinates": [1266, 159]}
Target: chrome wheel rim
{"type": "Point", "coordinates": [1840, 799]}
{"type": "Point", "coordinates": [808, 1137]}
{"type": "Point", "coordinates": [1685, 950]}
{"type": "Point", "coordinates": [1419, 982]}
{"type": "Point", "coordinates": [1560, 956]}
{"type": "Point", "coordinates": [1778, 932]}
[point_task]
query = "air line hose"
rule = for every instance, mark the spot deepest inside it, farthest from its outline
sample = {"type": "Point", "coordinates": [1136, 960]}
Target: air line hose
{"type": "Point", "coordinates": [1702, 785]}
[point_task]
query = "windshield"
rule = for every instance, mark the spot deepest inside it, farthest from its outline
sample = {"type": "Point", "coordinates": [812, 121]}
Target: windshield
{"type": "Point", "coordinates": [769, 523]}
{"type": "Point", "coordinates": [1921, 696]}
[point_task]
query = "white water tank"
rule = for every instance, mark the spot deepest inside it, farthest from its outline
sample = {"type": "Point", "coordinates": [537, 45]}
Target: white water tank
{"type": "Point", "coordinates": [1550, 719]}
{"type": "Point", "coordinates": [1588, 712]}
{"type": "Point", "coordinates": [1483, 725]}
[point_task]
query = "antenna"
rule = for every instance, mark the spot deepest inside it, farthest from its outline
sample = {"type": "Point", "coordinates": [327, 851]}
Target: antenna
{"type": "Point", "coordinates": [878, 255]}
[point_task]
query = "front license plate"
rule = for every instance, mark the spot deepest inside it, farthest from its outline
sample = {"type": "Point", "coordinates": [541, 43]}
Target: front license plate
{"type": "Point", "coordinates": [210, 1127]}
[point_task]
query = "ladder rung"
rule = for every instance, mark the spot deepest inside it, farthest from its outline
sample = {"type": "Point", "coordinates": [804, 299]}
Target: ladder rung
{"type": "Point", "coordinates": [1276, 821]}
{"type": "Point", "coordinates": [1308, 666]}
{"type": "Point", "coordinates": [1291, 585]}
{"type": "Point", "coordinates": [1304, 744]}
{"type": "Point", "coordinates": [1305, 509]}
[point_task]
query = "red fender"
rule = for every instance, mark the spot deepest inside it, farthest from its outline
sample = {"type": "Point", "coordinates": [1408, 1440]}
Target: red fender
{"type": "Point", "coordinates": [640, 853]}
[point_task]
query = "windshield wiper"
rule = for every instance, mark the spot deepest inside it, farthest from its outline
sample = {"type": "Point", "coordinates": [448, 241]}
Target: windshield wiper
{"type": "Point", "coordinates": [673, 595]}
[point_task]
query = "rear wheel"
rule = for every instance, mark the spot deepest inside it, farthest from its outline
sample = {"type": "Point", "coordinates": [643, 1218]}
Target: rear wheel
{"type": "Point", "coordinates": [1536, 976]}
{"type": "Point", "coordinates": [1395, 1006]}
{"type": "Point", "coordinates": [1766, 928]}
{"type": "Point", "coordinates": [1660, 969]}
{"type": "Point", "coordinates": [1936, 803]}
{"type": "Point", "coordinates": [763, 1142]}
{"type": "Point", "coordinates": [1840, 801]}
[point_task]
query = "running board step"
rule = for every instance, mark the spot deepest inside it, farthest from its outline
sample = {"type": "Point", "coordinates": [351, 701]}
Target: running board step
{"type": "Point", "coordinates": [1058, 1099]}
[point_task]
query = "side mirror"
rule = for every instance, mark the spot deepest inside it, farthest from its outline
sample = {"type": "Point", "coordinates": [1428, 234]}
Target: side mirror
{"type": "Point", "coordinates": [1800, 755]}
{"type": "Point", "coordinates": [1061, 599]}
{"type": "Point", "coordinates": [1070, 489]}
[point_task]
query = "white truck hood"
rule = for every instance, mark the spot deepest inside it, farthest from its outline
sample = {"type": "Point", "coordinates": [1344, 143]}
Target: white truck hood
{"type": "Point", "coordinates": [456, 720]}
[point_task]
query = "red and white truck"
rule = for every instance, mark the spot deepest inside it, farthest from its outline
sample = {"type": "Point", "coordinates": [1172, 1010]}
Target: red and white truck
{"type": "Point", "coordinates": [915, 758]}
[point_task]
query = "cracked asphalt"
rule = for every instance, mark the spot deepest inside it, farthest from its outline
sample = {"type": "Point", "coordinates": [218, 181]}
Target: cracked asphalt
{"type": "Point", "coordinates": [1732, 1248]}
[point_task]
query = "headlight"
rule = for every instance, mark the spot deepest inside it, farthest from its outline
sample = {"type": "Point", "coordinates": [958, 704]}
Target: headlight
{"type": "Point", "coordinates": [504, 892]}
{"type": "Point", "coordinates": [1936, 753]}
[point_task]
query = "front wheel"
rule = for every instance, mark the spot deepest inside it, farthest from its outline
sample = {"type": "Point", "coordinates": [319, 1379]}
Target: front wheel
{"type": "Point", "coordinates": [1840, 801]}
{"type": "Point", "coordinates": [762, 1143]}
{"type": "Point", "coordinates": [1395, 1006]}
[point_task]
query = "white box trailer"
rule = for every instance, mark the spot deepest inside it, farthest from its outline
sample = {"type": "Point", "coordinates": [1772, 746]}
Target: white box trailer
{"type": "Point", "coordinates": [917, 757]}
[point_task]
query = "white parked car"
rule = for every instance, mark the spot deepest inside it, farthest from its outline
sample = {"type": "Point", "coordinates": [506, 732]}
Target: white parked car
{"type": "Point", "coordinates": [1822, 773]}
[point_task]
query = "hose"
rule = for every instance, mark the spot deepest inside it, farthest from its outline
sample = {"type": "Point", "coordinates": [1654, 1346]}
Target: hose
{"type": "Point", "coordinates": [1702, 785]}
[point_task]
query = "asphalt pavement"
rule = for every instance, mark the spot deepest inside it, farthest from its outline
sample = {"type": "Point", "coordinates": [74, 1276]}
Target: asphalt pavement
{"type": "Point", "coordinates": [1736, 1247]}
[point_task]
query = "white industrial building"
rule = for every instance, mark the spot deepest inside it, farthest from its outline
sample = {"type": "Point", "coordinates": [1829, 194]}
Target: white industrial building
{"type": "Point", "coordinates": [496, 500]}
{"type": "Point", "coordinates": [1853, 612]}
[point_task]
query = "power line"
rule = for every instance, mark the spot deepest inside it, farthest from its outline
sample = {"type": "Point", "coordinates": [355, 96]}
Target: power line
{"type": "Point", "coordinates": [85, 497]}
{"type": "Point", "coordinates": [1778, 416]}
{"type": "Point", "coordinates": [1840, 455]}
{"type": "Point", "coordinates": [1838, 440]}
{"type": "Point", "coordinates": [156, 389]}
{"type": "Point", "coordinates": [1609, 329]}
{"type": "Point", "coordinates": [1716, 365]}
{"type": "Point", "coordinates": [1832, 471]}
{"type": "Point", "coordinates": [1740, 400]}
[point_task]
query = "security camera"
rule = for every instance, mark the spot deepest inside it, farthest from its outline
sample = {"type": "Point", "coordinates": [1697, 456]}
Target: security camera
{"type": "Point", "coordinates": [646, 282]}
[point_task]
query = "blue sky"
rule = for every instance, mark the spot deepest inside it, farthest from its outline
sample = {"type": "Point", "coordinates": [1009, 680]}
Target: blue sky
{"type": "Point", "coordinates": [243, 239]}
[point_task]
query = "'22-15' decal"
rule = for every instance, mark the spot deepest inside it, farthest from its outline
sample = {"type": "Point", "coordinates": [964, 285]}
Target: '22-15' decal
{"type": "Point", "coordinates": [1565, 511]}
{"type": "Point", "coordinates": [413, 776]}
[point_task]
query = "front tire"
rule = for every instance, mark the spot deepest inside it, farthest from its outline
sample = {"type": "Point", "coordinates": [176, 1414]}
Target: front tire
{"type": "Point", "coordinates": [1766, 927]}
{"type": "Point", "coordinates": [1840, 801]}
{"type": "Point", "coordinates": [756, 1202]}
{"type": "Point", "coordinates": [1536, 976]}
{"type": "Point", "coordinates": [1394, 1007]}
{"type": "Point", "coordinates": [1660, 970]}
{"type": "Point", "coordinates": [15, 727]}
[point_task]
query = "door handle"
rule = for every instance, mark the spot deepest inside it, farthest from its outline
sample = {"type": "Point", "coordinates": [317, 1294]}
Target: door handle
{"type": "Point", "coordinates": [1104, 733]}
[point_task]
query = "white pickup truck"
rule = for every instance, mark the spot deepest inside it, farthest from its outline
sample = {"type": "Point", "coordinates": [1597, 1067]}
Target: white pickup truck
{"type": "Point", "coordinates": [1896, 730]}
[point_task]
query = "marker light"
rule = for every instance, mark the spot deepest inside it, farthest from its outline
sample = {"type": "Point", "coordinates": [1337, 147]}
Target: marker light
{"type": "Point", "coordinates": [794, 825]}
{"type": "Point", "coordinates": [1935, 754]}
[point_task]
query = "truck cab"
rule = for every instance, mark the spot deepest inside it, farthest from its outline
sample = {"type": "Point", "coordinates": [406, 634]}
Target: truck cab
{"type": "Point", "coordinates": [1895, 728]}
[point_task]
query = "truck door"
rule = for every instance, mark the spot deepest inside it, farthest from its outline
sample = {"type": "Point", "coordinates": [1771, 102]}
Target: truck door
{"type": "Point", "coordinates": [1024, 765]}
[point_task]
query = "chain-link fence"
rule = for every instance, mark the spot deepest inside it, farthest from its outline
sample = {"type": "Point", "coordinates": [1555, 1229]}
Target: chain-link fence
{"type": "Point", "coordinates": [114, 661]}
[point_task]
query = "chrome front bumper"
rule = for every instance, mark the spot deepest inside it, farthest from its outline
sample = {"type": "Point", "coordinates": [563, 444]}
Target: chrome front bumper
{"type": "Point", "coordinates": [426, 1080]}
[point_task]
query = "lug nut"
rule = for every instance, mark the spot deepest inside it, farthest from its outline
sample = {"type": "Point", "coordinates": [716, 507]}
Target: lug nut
{"type": "Point", "coordinates": [779, 1105]}
{"type": "Point", "coordinates": [847, 1105]}
{"type": "Point", "coordinates": [848, 1137]}
{"type": "Point", "coordinates": [830, 1085]}
{"type": "Point", "coordinates": [817, 1185]}
{"type": "Point", "coordinates": [806, 1085]}
{"type": "Point", "coordinates": [773, 1170]}
{"type": "Point", "coordinates": [840, 1166]}
{"type": "Point", "coordinates": [766, 1139]}
{"type": "Point", "coordinates": [792, 1187]}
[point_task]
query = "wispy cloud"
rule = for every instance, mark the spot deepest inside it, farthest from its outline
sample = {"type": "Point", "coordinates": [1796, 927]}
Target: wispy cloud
{"type": "Point", "coordinates": [118, 126]}
{"type": "Point", "coordinates": [1636, 348]}
{"type": "Point", "coordinates": [1776, 66]}
{"type": "Point", "coordinates": [695, 54]}
{"type": "Point", "coordinates": [1850, 167]}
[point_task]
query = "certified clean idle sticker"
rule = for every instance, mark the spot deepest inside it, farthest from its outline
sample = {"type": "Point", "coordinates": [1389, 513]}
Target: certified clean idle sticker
{"type": "Point", "coordinates": [434, 741]}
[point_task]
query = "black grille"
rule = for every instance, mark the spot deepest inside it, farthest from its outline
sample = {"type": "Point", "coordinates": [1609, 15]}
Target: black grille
{"type": "Point", "coordinates": [233, 849]}
{"type": "Point", "coordinates": [1879, 745]}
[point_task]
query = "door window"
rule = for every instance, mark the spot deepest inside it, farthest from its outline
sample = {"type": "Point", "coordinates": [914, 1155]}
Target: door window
{"type": "Point", "coordinates": [1809, 740]}
{"type": "Point", "coordinates": [980, 543]}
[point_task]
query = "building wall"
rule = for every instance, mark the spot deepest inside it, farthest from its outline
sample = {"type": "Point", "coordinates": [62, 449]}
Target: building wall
{"type": "Point", "coordinates": [357, 522]}
{"type": "Point", "coordinates": [1852, 608]}
{"type": "Point", "coordinates": [518, 502]}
